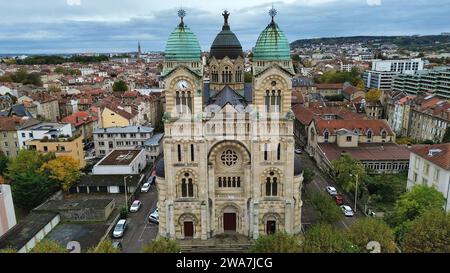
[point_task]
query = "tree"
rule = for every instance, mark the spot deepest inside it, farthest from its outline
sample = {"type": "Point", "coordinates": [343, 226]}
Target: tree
{"type": "Point", "coordinates": [327, 210]}
{"type": "Point", "coordinates": [446, 138]}
{"type": "Point", "coordinates": [373, 95]}
{"type": "Point", "coordinates": [323, 238]}
{"type": "Point", "coordinates": [104, 247]}
{"type": "Point", "coordinates": [279, 242]}
{"type": "Point", "coordinates": [4, 160]}
{"type": "Point", "coordinates": [388, 187]}
{"type": "Point", "coordinates": [120, 86]}
{"type": "Point", "coordinates": [6, 78]}
{"type": "Point", "coordinates": [346, 169]}
{"type": "Point", "coordinates": [27, 161]}
{"type": "Point", "coordinates": [64, 170]}
{"type": "Point", "coordinates": [248, 76]}
{"type": "Point", "coordinates": [308, 176]}
{"type": "Point", "coordinates": [429, 233]}
{"type": "Point", "coordinates": [54, 89]}
{"type": "Point", "coordinates": [48, 246]}
{"type": "Point", "coordinates": [162, 245]}
{"type": "Point", "coordinates": [361, 85]}
{"type": "Point", "coordinates": [20, 76]}
{"type": "Point", "coordinates": [59, 70]}
{"type": "Point", "coordinates": [34, 79]}
{"type": "Point", "coordinates": [7, 250]}
{"type": "Point", "coordinates": [370, 229]}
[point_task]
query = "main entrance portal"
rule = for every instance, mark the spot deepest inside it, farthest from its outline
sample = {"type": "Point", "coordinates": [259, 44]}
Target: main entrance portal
{"type": "Point", "coordinates": [229, 222]}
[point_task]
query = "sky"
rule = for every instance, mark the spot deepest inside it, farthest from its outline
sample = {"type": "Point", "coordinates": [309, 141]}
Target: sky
{"type": "Point", "coordinates": [82, 26]}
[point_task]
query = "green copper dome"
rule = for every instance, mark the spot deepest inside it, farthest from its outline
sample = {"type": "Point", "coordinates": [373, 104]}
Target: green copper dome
{"type": "Point", "coordinates": [183, 45]}
{"type": "Point", "coordinates": [272, 45]}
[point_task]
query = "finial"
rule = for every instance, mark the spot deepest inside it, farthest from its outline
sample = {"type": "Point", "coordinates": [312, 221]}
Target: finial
{"type": "Point", "coordinates": [181, 14]}
{"type": "Point", "coordinates": [225, 14]}
{"type": "Point", "coordinates": [272, 13]}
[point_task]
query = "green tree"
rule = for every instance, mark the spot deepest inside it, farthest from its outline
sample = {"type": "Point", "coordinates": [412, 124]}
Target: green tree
{"type": "Point", "coordinates": [328, 211]}
{"type": "Point", "coordinates": [429, 233]}
{"type": "Point", "coordinates": [105, 246]}
{"type": "Point", "coordinates": [347, 169]}
{"type": "Point", "coordinates": [248, 76]}
{"type": "Point", "coordinates": [20, 76]}
{"type": "Point", "coordinates": [120, 86]}
{"type": "Point", "coordinates": [388, 187]}
{"type": "Point", "coordinates": [54, 89]}
{"type": "Point", "coordinates": [33, 78]}
{"type": "Point", "coordinates": [48, 246]}
{"type": "Point", "coordinates": [27, 161]}
{"type": "Point", "coordinates": [308, 176]}
{"type": "Point", "coordinates": [323, 238]}
{"type": "Point", "coordinates": [4, 160]}
{"type": "Point", "coordinates": [7, 250]}
{"type": "Point", "coordinates": [6, 78]}
{"type": "Point", "coordinates": [370, 229]}
{"type": "Point", "coordinates": [279, 242]}
{"type": "Point", "coordinates": [162, 245]}
{"type": "Point", "coordinates": [59, 70]}
{"type": "Point", "coordinates": [446, 138]}
{"type": "Point", "coordinates": [64, 170]}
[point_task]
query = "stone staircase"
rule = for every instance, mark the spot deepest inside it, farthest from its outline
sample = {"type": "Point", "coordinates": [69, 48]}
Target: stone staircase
{"type": "Point", "coordinates": [223, 243]}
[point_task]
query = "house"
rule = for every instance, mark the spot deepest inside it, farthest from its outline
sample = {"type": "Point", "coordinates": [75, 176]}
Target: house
{"type": "Point", "coordinates": [430, 166]}
{"type": "Point", "coordinates": [41, 130]}
{"type": "Point", "coordinates": [9, 141]}
{"type": "Point", "coordinates": [372, 142]}
{"type": "Point", "coordinates": [44, 105]}
{"type": "Point", "coordinates": [329, 89]}
{"type": "Point", "coordinates": [118, 116]}
{"type": "Point", "coordinates": [351, 92]}
{"type": "Point", "coordinates": [121, 162]}
{"type": "Point", "coordinates": [7, 213]}
{"type": "Point", "coordinates": [84, 124]}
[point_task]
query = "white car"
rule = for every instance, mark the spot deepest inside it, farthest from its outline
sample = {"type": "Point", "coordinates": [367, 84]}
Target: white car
{"type": "Point", "coordinates": [347, 210]}
{"type": "Point", "coordinates": [120, 228]}
{"type": "Point", "coordinates": [298, 151]}
{"type": "Point", "coordinates": [135, 206]}
{"type": "Point", "coordinates": [331, 190]}
{"type": "Point", "coordinates": [145, 187]}
{"type": "Point", "coordinates": [154, 216]}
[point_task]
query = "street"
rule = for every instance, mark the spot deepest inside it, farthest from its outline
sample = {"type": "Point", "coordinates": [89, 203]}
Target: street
{"type": "Point", "coordinates": [319, 183]}
{"type": "Point", "coordinates": [140, 231]}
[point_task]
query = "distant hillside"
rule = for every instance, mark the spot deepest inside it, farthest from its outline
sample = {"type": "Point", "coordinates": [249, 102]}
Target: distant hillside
{"type": "Point", "coordinates": [415, 43]}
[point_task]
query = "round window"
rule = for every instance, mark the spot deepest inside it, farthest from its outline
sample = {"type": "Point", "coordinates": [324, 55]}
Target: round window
{"type": "Point", "coordinates": [229, 158]}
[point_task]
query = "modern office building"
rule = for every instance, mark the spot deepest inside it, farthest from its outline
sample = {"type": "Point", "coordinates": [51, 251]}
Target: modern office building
{"type": "Point", "coordinates": [435, 81]}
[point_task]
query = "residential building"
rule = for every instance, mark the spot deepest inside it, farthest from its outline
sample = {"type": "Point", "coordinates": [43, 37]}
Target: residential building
{"type": "Point", "coordinates": [9, 141]}
{"type": "Point", "coordinates": [372, 142]}
{"type": "Point", "coordinates": [127, 137]}
{"type": "Point", "coordinates": [121, 162]}
{"type": "Point", "coordinates": [61, 146]}
{"type": "Point", "coordinates": [398, 113]}
{"type": "Point", "coordinates": [84, 124]}
{"type": "Point", "coordinates": [118, 116]}
{"type": "Point", "coordinates": [43, 130]}
{"type": "Point", "coordinates": [435, 81]}
{"type": "Point", "coordinates": [352, 93]}
{"type": "Point", "coordinates": [7, 213]}
{"type": "Point", "coordinates": [329, 89]}
{"type": "Point", "coordinates": [378, 79]}
{"type": "Point", "coordinates": [42, 105]}
{"type": "Point", "coordinates": [430, 166]}
{"type": "Point", "coordinates": [429, 117]}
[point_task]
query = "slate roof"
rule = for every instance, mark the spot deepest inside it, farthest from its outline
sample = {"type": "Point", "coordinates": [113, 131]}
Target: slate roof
{"type": "Point", "coordinates": [108, 180]}
{"type": "Point", "coordinates": [159, 167]}
{"type": "Point", "coordinates": [228, 95]}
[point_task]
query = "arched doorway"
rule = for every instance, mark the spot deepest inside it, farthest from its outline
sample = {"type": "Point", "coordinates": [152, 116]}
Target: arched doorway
{"type": "Point", "coordinates": [230, 216]}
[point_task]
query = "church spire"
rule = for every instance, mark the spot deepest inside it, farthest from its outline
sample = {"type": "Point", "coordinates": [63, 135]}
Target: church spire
{"type": "Point", "coordinates": [181, 14]}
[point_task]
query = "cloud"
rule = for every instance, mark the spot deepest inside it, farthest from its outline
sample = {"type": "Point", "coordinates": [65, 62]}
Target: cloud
{"type": "Point", "coordinates": [74, 2]}
{"type": "Point", "coordinates": [374, 2]}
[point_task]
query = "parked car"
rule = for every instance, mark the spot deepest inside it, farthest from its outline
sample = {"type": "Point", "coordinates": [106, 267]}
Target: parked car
{"type": "Point", "coordinates": [298, 151]}
{"type": "Point", "coordinates": [347, 210]}
{"type": "Point", "coordinates": [151, 180]}
{"type": "Point", "coordinates": [145, 187]}
{"type": "Point", "coordinates": [120, 228]}
{"type": "Point", "coordinates": [331, 190]}
{"type": "Point", "coordinates": [339, 199]}
{"type": "Point", "coordinates": [135, 206]}
{"type": "Point", "coordinates": [154, 216]}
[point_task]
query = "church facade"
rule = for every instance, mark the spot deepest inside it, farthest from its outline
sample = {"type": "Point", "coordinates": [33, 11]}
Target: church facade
{"type": "Point", "coordinates": [229, 164]}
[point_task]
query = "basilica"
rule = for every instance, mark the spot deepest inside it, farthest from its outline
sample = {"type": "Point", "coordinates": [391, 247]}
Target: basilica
{"type": "Point", "coordinates": [229, 164]}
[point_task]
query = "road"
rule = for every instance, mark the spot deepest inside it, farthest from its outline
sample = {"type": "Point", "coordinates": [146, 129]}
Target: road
{"type": "Point", "coordinates": [320, 182]}
{"type": "Point", "coordinates": [140, 231]}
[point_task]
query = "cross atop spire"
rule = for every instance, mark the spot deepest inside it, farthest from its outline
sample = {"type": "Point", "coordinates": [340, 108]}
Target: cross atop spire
{"type": "Point", "coordinates": [181, 14]}
{"type": "Point", "coordinates": [272, 13]}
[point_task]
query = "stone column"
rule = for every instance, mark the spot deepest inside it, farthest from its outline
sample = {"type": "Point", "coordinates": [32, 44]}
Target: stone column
{"type": "Point", "coordinates": [255, 220]}
{"type": "Point", "coordinates": [203, 221]}
{"type": "Point", "coordinates": [289, 216]}
{"type": "Point", "coordinates": [170, 221]}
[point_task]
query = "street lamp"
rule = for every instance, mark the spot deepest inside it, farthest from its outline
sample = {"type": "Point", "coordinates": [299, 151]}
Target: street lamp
{"type": "Point", "coordinates": [126, 189]}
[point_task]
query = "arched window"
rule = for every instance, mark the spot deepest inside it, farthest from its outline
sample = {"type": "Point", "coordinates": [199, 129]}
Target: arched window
{"type": "Point", "coordinates": [271, 184]}
{"type": "Point", "coordinates": [326, 135]}
{"type": "Point", "coordinates": [214, 74]}
{"type": "Point", "coordinates": [179, 152]}
{"type": "Point", "coordinates": [239, 74]}
{"type": "Point", "coordinates": [187, 186]}
{"type": "Point", "coordinates": [279, 151]}
{"type": "Point", "coordinates": [369, 133]}
{"type": "Point", "coordinates": [383, 134]}
{"type": "Point", "coordinates": [272, 101]}
{"type": "Point", "coordinates": [183, 102]}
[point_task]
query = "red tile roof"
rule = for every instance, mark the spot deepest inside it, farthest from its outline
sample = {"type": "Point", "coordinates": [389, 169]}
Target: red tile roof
{"type": "Point", "coordinates": [306, 114]}
{"type": "Point", "coordinates": [79, 118]}
{"type": "Point", "coordinates": [10, 123]}
{"type": "Point", "coordinates": [362, 125]}
{"type": "Point", "coordinates": [442, 159]}
{"type": "Point", "coordinates": [367, 151]}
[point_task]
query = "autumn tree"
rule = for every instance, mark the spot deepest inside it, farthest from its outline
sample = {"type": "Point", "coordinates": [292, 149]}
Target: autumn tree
{"type": "Point", "coordinates": [54, 89]}
{"type": "Point", "coordinates": [162, 245]}
{"type": "Point", "coordinates": [370, 229]}
{"type": "Point", "coordinates": [373, 95]}
{"type": "Point", "coordinates": [279, 242]}
{"type": "Point", "coordinates": [323, 238]}
{"type": "Point", "coordinates": [48, 246]}
{"type": "Point", "coordinates": [64, 169]}
{"type": "Point", "coordinates": [347, 169]}
{"type": "Point", "coordinates": [429, 233]}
